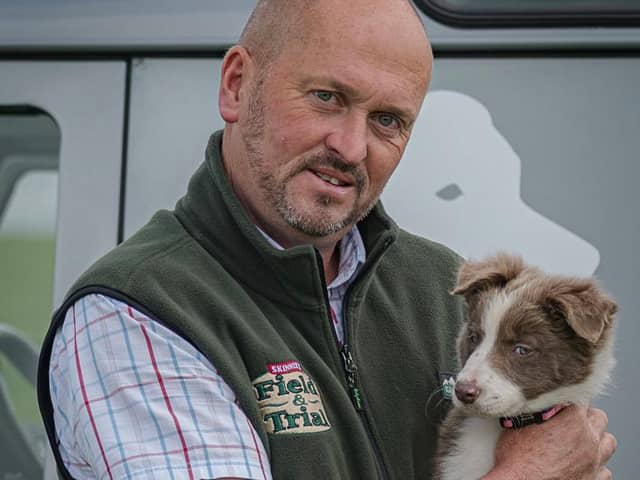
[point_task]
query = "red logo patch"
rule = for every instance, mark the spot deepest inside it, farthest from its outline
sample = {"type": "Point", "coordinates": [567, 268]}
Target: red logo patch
{"type": "Point", "coordinates": [284, 367]}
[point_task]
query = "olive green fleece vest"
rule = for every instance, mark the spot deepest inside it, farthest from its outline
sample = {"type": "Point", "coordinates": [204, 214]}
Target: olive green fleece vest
{"type": "Point", "coordinates": [262, 317]}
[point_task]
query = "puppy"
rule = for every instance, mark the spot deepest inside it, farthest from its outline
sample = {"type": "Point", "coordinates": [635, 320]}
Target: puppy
{"type": "Point", "coordinates": [532, 344]}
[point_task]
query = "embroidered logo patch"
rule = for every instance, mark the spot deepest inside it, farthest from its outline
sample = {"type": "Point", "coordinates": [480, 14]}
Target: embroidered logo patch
{"type": "Point", "coordinates": [289, 400]}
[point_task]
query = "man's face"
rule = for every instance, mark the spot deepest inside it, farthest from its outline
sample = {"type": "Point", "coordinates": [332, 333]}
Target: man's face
{"type": "Point", "coordinates": [326, 125]}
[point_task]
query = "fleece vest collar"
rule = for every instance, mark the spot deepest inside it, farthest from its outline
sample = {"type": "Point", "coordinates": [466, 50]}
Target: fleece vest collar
{"type": "Point", "coordinates": [213, 215]}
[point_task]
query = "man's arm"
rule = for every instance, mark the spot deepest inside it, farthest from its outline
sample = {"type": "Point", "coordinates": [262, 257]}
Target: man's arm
{"type": "Point", "coordinates": [134, 400]}
{"type": "Point", "coordinates": [574, 445]}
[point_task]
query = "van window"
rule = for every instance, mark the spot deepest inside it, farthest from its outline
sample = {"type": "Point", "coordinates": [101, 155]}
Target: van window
{"type": "Point", "coordinates": [532, 13]}
{"type": "Point", "coordinates": [29, 145]}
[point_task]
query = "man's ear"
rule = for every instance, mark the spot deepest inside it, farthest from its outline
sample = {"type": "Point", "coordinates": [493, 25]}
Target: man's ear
{"type": "Point", "coordinates": [237, 70]}
{"type": "Point", "coordinates": [586, 309]}
{"type": "Point", "coordinates": [496, 271]}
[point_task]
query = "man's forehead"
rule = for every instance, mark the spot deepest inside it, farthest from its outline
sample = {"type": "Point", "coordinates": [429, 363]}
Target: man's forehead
{"type": "Point", "coordinates": [372, 28]}
{"type": "Point", "coordinates": [343, 54]}
{"type": "Point", "coordinates": [359, 47]}
{"type": "Point", "coordinates": [279, 26]}
{"type": "Point", "coordinates": [398, 15]}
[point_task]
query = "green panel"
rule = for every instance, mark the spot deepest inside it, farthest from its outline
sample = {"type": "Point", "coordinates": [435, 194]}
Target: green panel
{"type": "Point", "coordinates": [26, 286]}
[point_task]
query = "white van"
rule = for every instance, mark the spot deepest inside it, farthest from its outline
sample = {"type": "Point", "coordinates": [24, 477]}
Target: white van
{"type": "Point", "coordinates": [528, 141]}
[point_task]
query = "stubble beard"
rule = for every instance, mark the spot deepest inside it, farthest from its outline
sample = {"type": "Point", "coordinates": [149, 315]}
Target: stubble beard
{"type": "Point", "coordinates": [320, 222]}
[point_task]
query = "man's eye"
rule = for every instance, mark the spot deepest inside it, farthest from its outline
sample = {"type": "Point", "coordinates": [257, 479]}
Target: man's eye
{"type": "Point", "coordinates": [324, 96]}
{"type": "Point", "coordinates": [387, 121]}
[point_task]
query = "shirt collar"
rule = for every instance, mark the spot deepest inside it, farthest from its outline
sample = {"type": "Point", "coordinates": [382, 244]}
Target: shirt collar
{"type": "Point", "coordinates": [352, 255]}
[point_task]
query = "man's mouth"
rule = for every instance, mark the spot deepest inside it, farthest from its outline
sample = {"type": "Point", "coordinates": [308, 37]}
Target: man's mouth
{"type": "Point", "coordinates": [331, 180]}
{"type": "Point", "coordinates": [334, 179]}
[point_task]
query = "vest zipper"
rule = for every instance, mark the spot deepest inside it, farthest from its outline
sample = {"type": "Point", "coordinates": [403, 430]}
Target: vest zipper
{"type": "Point", "coordinates": [355, 391]}
{"type": "Point", "coordinates": [352, 382]}
{"type": "Point", "coordinates": [350, 369]}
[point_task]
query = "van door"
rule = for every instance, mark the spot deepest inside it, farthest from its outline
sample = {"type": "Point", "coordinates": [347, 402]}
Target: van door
{"type": "Point", "coordinates": [173, 112]}
{"type": "Point", "coordinates": [61, 131]}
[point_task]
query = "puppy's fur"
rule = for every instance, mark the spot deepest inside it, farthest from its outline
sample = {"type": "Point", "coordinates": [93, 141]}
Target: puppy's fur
{"type": "Point", "coordinates": [531, 341]}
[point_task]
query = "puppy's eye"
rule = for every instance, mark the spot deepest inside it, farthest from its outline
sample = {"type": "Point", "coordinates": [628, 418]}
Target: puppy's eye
{"type": "Point", "coordinates": [474, 338]}
{"type": "Point", "coordinates": [522, 350]}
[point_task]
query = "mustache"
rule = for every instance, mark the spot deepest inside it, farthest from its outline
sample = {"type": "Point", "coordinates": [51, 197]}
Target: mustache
{"type": "Point", "coordinates": [334, 162]}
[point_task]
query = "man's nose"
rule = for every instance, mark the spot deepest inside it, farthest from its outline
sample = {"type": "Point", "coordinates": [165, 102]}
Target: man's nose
{"type": "Point", "coordinates": [349, 139]}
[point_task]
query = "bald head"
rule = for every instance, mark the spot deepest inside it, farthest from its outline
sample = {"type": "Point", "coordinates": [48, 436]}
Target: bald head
{"type": "Point", "coordinates": [276, 24]}
{"type": "Point", "coordinates": [320, 89]}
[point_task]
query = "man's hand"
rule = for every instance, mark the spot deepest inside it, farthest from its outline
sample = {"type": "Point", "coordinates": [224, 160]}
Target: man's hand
{"type": "Point", "coordinates": [574, 445]}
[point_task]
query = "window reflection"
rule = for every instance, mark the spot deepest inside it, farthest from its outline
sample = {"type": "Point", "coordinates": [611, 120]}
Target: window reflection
{"type": "Point", "coordinates": [29, 145]}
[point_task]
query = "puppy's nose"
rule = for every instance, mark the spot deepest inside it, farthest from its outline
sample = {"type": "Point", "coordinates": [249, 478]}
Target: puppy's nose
{"type": "Point", "coordinates": [467, 392]}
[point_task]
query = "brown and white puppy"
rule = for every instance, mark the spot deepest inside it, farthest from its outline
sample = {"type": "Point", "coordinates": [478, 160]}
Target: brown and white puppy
{"type": "Point", "coordinates": [531, 342]}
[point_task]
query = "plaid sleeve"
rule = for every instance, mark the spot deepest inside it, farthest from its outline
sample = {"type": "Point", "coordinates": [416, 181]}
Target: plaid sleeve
{"type": "Point", "coordinates": [132, 399]}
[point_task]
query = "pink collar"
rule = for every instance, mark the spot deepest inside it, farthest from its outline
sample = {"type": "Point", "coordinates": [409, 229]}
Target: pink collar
{"type": "Point", "coordinates": [520, 421]}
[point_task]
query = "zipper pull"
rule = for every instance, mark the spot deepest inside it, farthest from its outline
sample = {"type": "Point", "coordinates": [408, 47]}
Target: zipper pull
{"type": "Point", "coordinates": [351, 369]}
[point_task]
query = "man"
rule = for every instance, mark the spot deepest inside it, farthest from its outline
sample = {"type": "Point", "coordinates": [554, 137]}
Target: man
{"type": "Point", "coordinates": [278, 324]}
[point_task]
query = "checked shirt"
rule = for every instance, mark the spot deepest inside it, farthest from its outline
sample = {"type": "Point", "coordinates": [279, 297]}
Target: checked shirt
{"type": "Point", "coordinates": [134, 400]}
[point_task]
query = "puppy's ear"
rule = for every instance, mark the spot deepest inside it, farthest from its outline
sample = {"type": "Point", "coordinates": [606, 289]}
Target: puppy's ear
{"type": "Point", "coordinates": [496, 271]}
{"type": "Point", "coordinates": [586, 309]}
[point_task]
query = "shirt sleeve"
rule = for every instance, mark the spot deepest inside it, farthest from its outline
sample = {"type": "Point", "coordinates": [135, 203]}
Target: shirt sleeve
{"type": "Point", "coordinates": [132, 399]}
